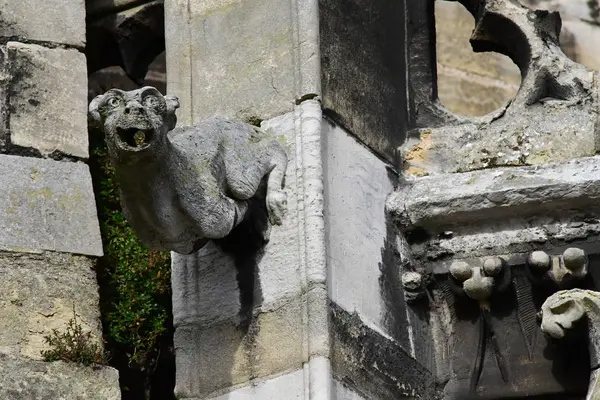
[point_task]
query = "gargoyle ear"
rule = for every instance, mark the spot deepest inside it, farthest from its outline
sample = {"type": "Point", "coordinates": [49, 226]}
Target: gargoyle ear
{"type": "Point", "coordinates": [94, 116]}
{"type": "Point", "coordinates": [172, 105]}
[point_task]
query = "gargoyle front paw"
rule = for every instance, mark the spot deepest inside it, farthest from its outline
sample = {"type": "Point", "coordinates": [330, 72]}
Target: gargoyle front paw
{"type": "Point", "coordinates": [277, 206]}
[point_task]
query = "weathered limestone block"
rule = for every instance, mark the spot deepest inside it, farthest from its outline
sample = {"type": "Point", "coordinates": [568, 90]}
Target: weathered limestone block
{"type": "Point", "coordinates": [47, 205]}
{"type": "Point", "coordinates": [59, 21]}
{"type": "Point", "coordinates": [47, 97]}
{"type": "Point", "coordinates": [233, 57]}
{"type": "Point", "coordinates": [28, 379]}
{"type": "Point", "coordinates": [41, 292]}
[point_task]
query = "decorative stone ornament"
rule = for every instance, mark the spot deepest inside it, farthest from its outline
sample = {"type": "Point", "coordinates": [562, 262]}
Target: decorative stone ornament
{"type": "Point", "coordinates": [562, 311]}
{"type": "Point", "coordinates": [182, 187]}
{"type": "Point", "coordinates": [563, 271]}
{"type": "Point", "coordinates": [479, 282]}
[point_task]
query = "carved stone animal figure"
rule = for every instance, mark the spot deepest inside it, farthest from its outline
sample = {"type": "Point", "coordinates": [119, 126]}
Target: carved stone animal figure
{"type": "Point", "coordinates": [562, 310]}
{"type": "Point", "coordinates": [181, 187]}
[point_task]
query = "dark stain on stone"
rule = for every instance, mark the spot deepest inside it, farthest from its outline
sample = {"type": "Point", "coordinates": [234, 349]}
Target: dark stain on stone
{"type": "Point", "coordinates": [33, 102]}
{"type": "Point", "coordinates": [373, 365]}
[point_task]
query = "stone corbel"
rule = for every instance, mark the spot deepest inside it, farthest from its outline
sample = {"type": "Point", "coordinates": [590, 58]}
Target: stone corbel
{"type": "Point", "coordinates": [566, 309]}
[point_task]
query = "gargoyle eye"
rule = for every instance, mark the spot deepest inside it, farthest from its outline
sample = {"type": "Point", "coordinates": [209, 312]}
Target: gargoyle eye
{"type": "Point", "coordinates": [114, 102]}
{"type": "Point", "coordinates": [150, 101]}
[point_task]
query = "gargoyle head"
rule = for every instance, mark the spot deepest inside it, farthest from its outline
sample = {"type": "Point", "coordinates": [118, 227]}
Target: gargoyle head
{"type": "Point", "coordinates": [560, 312]}
{"type": "Point", "coordinates": [134, 122]}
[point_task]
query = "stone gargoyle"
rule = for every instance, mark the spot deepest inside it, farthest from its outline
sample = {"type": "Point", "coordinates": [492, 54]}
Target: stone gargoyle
{"type": "Point", "coordinates": [181, 187]}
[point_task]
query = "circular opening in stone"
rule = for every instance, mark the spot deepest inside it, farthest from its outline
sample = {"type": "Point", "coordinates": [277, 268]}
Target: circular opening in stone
{"type": "Point", "coordinates": [469, 83]}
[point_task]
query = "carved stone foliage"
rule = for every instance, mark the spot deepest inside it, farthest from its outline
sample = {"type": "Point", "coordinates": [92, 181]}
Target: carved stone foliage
{"type": "Point", "coordinates": [182, 187]}
{"type": "Point", "coordinates": [497, 213]}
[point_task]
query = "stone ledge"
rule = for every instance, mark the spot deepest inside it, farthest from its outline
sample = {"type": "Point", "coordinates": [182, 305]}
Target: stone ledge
{"type": "Point", "coordinates": [447, 200]}
{"type": "Point", "coordinates": [47, 205]}
{"type": "Point", "coordinates": [28, 379]}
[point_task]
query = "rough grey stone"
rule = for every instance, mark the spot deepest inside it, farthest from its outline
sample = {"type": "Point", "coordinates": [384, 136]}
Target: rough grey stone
{"type": "Point", "coordinates": [47, 97]}
{"type": "Point", "coordinates": [47, 205]}
{"type": "Point", "coordinates": [357, 348]}
{"type": "Point", "coordinates": [59, 21]}
{"type": "Point", "coordinates": [182, 187]}
{"type": "Point", "coordinates": [248, 59]}
{"type": "Point", "coordinates": [553, 116]}
{"type": "Point", "coordinates": [41, 292]}
{"type": "Point", "coordinates": [495, 194]}
{"type": "Point", "coordinates": [22, 379]}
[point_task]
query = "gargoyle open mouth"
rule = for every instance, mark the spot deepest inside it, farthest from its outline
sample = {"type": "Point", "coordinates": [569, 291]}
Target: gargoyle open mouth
{"type": "Point", "coordinates": [135, 138]}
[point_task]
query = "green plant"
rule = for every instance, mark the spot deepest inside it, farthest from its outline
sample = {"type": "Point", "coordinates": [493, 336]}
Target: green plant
{"type": "Point", "coordinates": [135, 282]}
{"type": "Point", "coordinates": [73, 345]}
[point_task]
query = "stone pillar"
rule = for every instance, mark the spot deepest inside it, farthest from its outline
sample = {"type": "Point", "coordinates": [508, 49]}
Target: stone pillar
{"type": "Point", "coordinates": [315, 312]}
{"type": "Point", "coordinates": [49, 234]}
{"type": "Point", "coordinates": [258, 325]}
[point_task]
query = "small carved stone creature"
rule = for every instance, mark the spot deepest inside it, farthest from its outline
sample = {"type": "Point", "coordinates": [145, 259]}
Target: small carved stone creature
{"type": "Point", "coordinates": [182, 187]}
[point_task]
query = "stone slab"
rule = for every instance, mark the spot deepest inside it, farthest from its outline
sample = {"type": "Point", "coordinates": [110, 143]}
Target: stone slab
{"type": "Point", "coordinates": [344, 392]}
{"type": "Point", "coordinates": [48, 99]}
{"type": "Point", "coordinates": [285, 387]}
{"type": "Point", "coordinates": [501, 193]}
{"type": "Point", "coordinates": [22, 379]}
{"type": "Point", "coordinates": [42, 292]}
{"type": "Point", "coordinates": [47, 205]}
{"type": "Point", "coordinates": [57, 21]}
{"type": "Point", "coordinates": [240, 58]}
{"type": "Point", "coordinates": [357, 184]}
{"type": "Point", "coordinates": [364, 70]}
{"type": "Point", "coordinates": [221, 356]}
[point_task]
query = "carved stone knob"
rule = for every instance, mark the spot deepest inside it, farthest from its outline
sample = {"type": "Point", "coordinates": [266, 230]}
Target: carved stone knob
{"type": "Point", "coordinates": [461, 271]}
{"type": "Point", "coordinates": [413, 285]}
{"type": "Point", "coordinates": [574, 259]}
{"type": "Point", "coordinates": [479, 287]}
{"type": "Point", "coordinates": [539, 261]}
{"type": "Point", "coordinates": [493, 266]}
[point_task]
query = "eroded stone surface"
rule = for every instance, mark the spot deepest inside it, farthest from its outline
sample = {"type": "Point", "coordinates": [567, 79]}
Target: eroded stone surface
{"type": "Point", "coordinates": [41, 292]}
{"type": "Point", "coordinates": [232, 57]}
{"type": "Point", "coordinates": [553, 116]}
{"type": "Point", "coordinates": [47, 205]}
{"type": "Point", "coordinates": [60, 22]}
{"type": "Point", "coordinates": [22, 379]}
{"type": "Point", "coordinates": [47, 96]}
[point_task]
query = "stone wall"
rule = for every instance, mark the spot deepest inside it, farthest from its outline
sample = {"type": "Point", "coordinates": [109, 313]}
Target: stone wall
{"type": "Point", "coordinates": [477, 83]}
{"type": "Point", "coordinates": [49, 235]}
